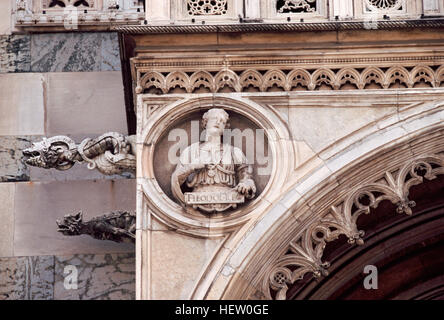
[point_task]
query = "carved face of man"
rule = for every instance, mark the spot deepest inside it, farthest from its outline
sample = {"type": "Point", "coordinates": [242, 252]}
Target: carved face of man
{"type": "Point", "coordinates": [215, 121]}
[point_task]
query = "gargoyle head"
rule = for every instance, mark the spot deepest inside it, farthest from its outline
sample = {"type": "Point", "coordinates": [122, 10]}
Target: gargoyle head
{"type": "Point", "coordinates": [49, 153]}
{"type": "Point", "coordinates": [71, 224]}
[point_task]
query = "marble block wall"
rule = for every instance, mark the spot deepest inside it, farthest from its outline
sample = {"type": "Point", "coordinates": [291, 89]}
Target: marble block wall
{"type": "Point", "coordinates": [59, 52]}
{"type": "Point", "coordinates": [59, 84]}
{"type": "Point", "coordinates": [15, 53]}
{"type": "Point", "coordinates": [98, 277]}
{"type": "Point", "coordinates": [69, 52]}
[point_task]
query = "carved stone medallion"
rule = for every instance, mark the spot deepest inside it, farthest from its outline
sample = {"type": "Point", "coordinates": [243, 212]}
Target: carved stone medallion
{"type": "Point", "coordinates": [217, 173]}
{"type": "Point", "coordinates": [206, 163]}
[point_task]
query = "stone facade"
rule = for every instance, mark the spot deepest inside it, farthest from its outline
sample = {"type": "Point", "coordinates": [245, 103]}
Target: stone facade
{"type": "Point", "coordinates": [40, 75]}
{"type": "Point", "coordinates": [346, 103]}
{"type": "Point", "coordinates": [102, 277]}
{"type": "Point", "coordinates": [345, 120]}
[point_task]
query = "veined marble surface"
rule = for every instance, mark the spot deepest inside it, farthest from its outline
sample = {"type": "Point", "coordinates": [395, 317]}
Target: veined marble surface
{"type": "Point", "coordinates": [75, 52]}
{"type": "Point", "coordinates": [27, 278]}
{"type": "Point", "coordinates": [15, 53]}
{"type": "Point", "coordinates": [60, 52]}
{"type": "Point", "coordinates": [99, 277]}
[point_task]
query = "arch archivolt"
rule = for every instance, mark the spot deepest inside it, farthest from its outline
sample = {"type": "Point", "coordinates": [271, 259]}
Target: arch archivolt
{"type": "Point", "coordinates": [381, 162]}
{"type": "Point", "coordinates": [305, 250]}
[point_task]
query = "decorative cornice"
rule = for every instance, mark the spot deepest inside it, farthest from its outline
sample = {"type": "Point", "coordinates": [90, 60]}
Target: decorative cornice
{"type": "Point", "coordinates": [288, 79]}
{"type": "Point", "coordinates": [272, 61]}
{"type": "Point", "coordinates": [281, 27]}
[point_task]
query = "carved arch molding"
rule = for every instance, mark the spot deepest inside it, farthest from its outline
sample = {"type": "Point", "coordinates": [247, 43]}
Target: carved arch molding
{"type": "Point", "coordinates": [305, 252]}
{"type": "Point", "coordinates": [299, 251]}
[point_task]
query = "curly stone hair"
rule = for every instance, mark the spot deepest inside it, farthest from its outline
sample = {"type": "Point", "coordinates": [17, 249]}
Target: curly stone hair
{"type": "Point", "coordinates": [215, 112]}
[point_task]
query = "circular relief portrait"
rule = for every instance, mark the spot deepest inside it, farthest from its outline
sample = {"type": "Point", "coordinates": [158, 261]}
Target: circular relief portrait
{"type": "Point", "coordinates": [213, 161]}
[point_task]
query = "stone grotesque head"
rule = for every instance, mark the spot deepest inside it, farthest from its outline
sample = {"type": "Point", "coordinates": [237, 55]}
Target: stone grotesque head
{"type": "Point", "coordinates": [71, 224]}
{"type": "Point", "coordinates": [55, 152]}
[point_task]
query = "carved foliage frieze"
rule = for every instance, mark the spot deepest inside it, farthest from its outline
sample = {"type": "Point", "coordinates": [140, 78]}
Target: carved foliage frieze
{"type": "Point", "coordinates": [305, 252]}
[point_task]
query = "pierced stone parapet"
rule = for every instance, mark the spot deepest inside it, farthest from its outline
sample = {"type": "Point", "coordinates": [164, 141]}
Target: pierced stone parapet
{"type": "Point", "coordinates": [71, 14]}
{"type": "Point", "coordinates": [384, 5]}
{"type": "Point", "coordinates": [296, 6]}
{"type": "Point", "coordinates": [207, 7]}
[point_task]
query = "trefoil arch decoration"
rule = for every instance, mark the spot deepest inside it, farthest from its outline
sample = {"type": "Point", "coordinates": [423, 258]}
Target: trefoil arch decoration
{"type": "Point", "coordinates": [371, 77]}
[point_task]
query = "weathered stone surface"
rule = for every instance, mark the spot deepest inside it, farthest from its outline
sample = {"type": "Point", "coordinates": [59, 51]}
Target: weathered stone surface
{"type": "Point", "coordinates": [319, 127]}
{"type": "Point", "coordinates": [168, 250]}
{"type": "Point", "coordinates": [77, 172]}
{"type": "Point", "coordinates": [7, 219]}
{"type": "Point", "coordinates": [64, 52]}
{"type": "Point", "coordinates": [15, 53]}
{"type": "Point", "coordinates": [87, 103]}
{"type": "Point", "coordinates": [39, 204]}
{"type": "Point", "coordinates": [12, 166]}
{"type": "Point", "coordinates": [5, 18]}
{"type": "Point", "coordinates": [22, 104]}
{"type": "Point", "coordinates": [27, 278]}
{"type": "Point", "coordinates": [110, 52]}
{"type": "Point", "coordinates": [100, 277]}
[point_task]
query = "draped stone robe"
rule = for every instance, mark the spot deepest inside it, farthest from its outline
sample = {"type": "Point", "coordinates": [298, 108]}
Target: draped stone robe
{"type": "Point", "coordinates": [205, 168]}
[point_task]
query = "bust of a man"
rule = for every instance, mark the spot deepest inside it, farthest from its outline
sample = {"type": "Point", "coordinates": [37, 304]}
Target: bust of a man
{"type": "Point", "coordinates": [218, 174]}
